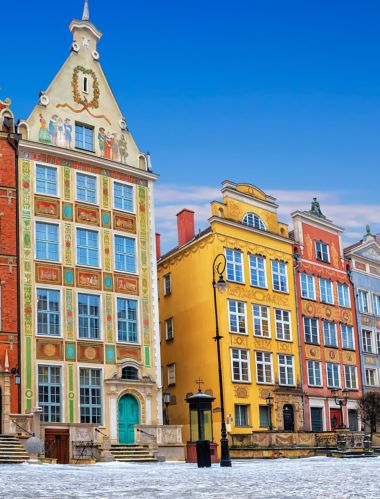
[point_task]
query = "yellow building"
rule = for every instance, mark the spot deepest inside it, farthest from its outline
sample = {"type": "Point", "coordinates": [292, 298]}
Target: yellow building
{"type": "Point", "coordinates": [257, 315]}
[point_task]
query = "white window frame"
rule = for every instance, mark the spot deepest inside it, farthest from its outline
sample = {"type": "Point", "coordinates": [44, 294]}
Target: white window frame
{"type": "Point", "coordinates": [61, 316]}
{"type": "Point", "coordinates": [321, 252]}
{"type": "Point", "coordinates": [241, 362]}
{"type": "Point", "coordinates": [308, 294]}
{"type": "Point", "coordinates": [50, 221]}
{"type": "Point", "coordinates": [283, 323]}
{"type": "Point", "coordinates": [169, 277]}
{"type": "Point", "coordinates": [376, 304]}
{"type": "Point", "coordinates": [170, 319]}
{"type": "Point", "coordinates": [96, 177]}
{"type": "Point", "coordinates": [279, 274]}
{"type": "Point", "coordinates": [234, 263]}
{"type": "Point", "coordinates": [347, 326]}
{"type": "Point", "coordinates": [48, 165]}
{"type": "Point", "coordinates": [286, 366]}
{"type": "Point", "coordinates": [138, 319]}
{"type": "Point", "coordinates": [128, 236]}
{"type": "Point", "coordinates": [171, 374]}
{"type": "Point", "coordinates": [322, 279]}
{"type": "Point", "coordinates": [371, 338]}
{"type": "Point", "coordinates": [258, 222]}
{"type": "Point", "coordinates": [372, 369]}
{"type": "Point", "coordinates": [361, 293]}
{"type": "Point", "coordinates": [255, 269]}
{"type": "Point", "coordinates": [85, 291]}
{"type": "Point", "coordinates": [238, 315]}
{"type": "Point", "coordinates": [116, 181]}
{"type": "Point", "coordinates": [261, 319]}
{"type": "Point", "coordinates": [327, 375]}
{"type": "Point", "coordinates": [90, 229]}
{"type": "Point", "coordinates": [346, 302]}
{"type": "Point", "coordinates": [100, 368]}
{"type": "Point", "coordinates": [264, 363]}
{"type": "Point", "coordinates": [330, 324]}
{"type": "Point", "coordinates": [314, 363]}
{"type": "Point", "coordinates": [350, 368]}
{"type": "Point", "coordinates": [304, 330]}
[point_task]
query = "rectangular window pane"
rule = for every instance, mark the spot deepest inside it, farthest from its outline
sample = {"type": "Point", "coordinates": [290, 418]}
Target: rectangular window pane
{"type": "Point", "coordinates": [329, 333]}
{"type": "Point", "coordinates": [84, 137]}
{"type": "Point", "coordinates": [240, 365]}
{"type": "Point", "coordinates": [87, 248]}
{"type": "Point", "coordinates": [86, 188]}
{"type": "Point", "coordinates": [282, 319]}
{"type": "Point", "coordinates": [286, 370]}
{"type": "Point", "coordinates": [47, 241]}
{"type": "Point", "coordinates": [261, 321]}
{"type": "Point", "coordinates": [125, 254]}
{"type": "Point", "coordinates": [46, 180]}
{"type": "Point", "coordinates": [257, 271]}
{"type": "Point", "coordinates": [326, 291]}
{"type": "Point", "coordinates": [123, 197]}
{"type": "Point", "coordinates": [48, 312]}
{"type": "Point", "coordinates": [307, 286]}
{"type": "Point", "coordinates": [90, 395]}
{"type": "Point", "coordinates": [237, 316]}
{"type": "Point", "coordinates": [322, 251]}
{"type": "Point", "coordinates": [333, 380]}
{"type": "Point", "coordinates": [241, 415]}
{"type": "Point", "coordinates": [234, 263]}
{"type": "Point", "coordinates": [343, 295]}
{"type": "Point", "coordinates": [49, 393]}
{"type": "Point", "coordinates": [311, 330]}
{"type": "Point", "coordinates": [264, 367]}
{"type": "Point", "coordinates": [279, 276]}
{"type": "Point", "coordinates": [127, 320]}
{"type": "Point", "coordinates": [347, 336]}
{"type": "Point", "coordinates": [89, 316]}
{"type": "Point", "coordinates": [314, 373]}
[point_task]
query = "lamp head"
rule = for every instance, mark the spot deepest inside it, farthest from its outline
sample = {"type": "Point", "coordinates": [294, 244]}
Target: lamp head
{"type": "Point", "coordinates": [167, 397]}
{"type": "Point", "coordinates": [221, 285]}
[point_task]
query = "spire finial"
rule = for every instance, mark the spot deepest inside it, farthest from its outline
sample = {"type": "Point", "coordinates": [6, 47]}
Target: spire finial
{"type": "Point", "coordinates": [86, 11]}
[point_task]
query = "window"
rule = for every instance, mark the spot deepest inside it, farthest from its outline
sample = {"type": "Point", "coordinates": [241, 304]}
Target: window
{"type": "Point", "coordinates": [326, 290]}
{"type": "Point", "coordinates": [86, 188]}
{"type": "Point", "coordinates": [85, 84]}
{"type": "Point", "coordinates": [169, 327]}
{"type": "Point", "coordinates": [314, 376]}
{"type": "Point", "coordinates": [241, 415]}
{"type": "Point", "coordinates": [363, 301]}
{"type": "Point", "coordinates": [240, 365]}
{"type": "Point", "coordinates": [48, 312]}
{"type": "Point", "coordinates": [129, 372]}
{"type": "Point", "coordinates": [257, 271]}
{"type": "Point", "coordinates": [367, 341]}
{"type": "Point", "coordinates": [261, 321]}
{"type": "Point", "coordinates": [171, 374]}
{"type": "Point", "coordinates": [127, 320]}
{"type": "Point", "coordinates": [350, 377]}
{"type": "Point", "coordinates": [90, 392]}
{"type": "Point", "coordinates": [343, 295]}
{"type": "Point", "coordinates": [322, 251]}
{"type": "Point", "coordinates": [167, 284]}
{"type": "Point", "coordinates": [370, 377]}
{"type": "Point", "coordinates": [47, 241]}
{"type": "Point", "coordinates": [279, 276]}
{"type": "Point", "coordinates": [311, 330]}
{"type": "Point", "coordinates": [333, 375]}
{"type": "Point", "coordinates": [46, 180]}
{"type": "Point", "coordinates": [329, 333]}
{"type": "Point", "coordinates": [378, 343]}
{"type": "Point", "coordinates": [376, 305]}
{"type": "Point", "coordinates": [234, 265]}
{"type": "Point", "coordinates": [282, 319]}
{"type": "Point", "coordinates": [49, 393]}
{"type": "Point", "coordinates": [253, 220]}
{"type": "Point", "coordinates": [347, 336]}
{"type": "Point", "coordinates": [307, 286]}
{"type": "Point", "coordinates": [264, 416]}
{"type": "Point", "coordinates": [89, 316]}
{"type": "Point", "coordinates": [264, 369]}
{"type": "Point", "coordinates": [125, 254]}
{"type": "Point", "coordinates": [123, 197]}
{"type": "Point", "coordinates": [237, 316]}
{"type": "Point", "coordinates": [84, 137]}
{"type": "Point", "coordinates": [286, 369]}
{"type": "Point", "coordinates": [87, 247]}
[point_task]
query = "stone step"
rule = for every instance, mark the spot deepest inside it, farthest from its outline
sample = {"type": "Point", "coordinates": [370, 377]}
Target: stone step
{"type": "Point", "coordinates": [137, 460]}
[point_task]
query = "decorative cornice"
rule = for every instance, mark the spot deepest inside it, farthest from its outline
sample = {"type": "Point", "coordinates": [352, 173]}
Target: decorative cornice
{"type": "Point", "coordinates": [322, 223]}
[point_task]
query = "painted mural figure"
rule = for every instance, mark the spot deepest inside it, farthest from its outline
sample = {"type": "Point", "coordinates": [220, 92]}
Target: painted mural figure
{"type": "Point", "coordinates": [123, 149]}
{"type": "Point", "coordinates": [115, 147]}
{"type": "Point", "coordinates": [108, 146]}
{"type": "Point", "coordinates": [68, 128]}
{"type": "Point", "coordinates": [102, 140]}
{"type": "Point", "coordinates": [60, 131]}
{"type": "Point", "coordinates": [53, 125]}
{"type": "Point", "coordinates": [44, 135]}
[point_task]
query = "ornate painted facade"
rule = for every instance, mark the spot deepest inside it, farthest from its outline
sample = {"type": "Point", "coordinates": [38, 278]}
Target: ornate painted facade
{"type": "Point", "coordinates": [257, 315]}
{"type": "Point", "coordinates": [327, 324]}
{"type": "Point", "coordinates": [90, 349]}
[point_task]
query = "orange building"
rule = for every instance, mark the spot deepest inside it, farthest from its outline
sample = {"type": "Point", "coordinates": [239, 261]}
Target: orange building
{"type": "Point", "coordinates": [329, 343]}
{"type": "Point", "coordinates": [9, 393]}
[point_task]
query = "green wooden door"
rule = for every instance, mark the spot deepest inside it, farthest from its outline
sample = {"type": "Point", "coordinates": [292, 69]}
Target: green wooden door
{"type": "Point", "coordinates": [129, 415]}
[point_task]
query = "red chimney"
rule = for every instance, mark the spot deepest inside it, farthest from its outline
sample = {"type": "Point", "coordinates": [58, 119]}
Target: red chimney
{"type": "Point", "coordinates": [185, 225]}
{"type": "Point", "coordinates": [158, 246]}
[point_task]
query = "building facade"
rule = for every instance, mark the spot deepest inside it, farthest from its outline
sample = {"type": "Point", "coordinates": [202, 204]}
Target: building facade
{"type": "Point", "coordinates": [89, 329]}
{"type": "Point", "coordinates": [364, 258]}
{"type": "Point", "coordinates": [257, 315]}
{"type": "Point", "coordinates": [9, 330]}
{"type": "Point", "coordinates": [329, 343]}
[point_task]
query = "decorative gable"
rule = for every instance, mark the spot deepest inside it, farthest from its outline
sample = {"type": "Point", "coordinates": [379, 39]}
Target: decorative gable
{"type": "Point", "coordinates": [371, 253]}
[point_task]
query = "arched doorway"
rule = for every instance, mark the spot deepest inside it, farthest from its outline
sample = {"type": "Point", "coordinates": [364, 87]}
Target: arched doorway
{"type": "Point", "coordinates": [128, 416]}
{"type": "Point", "coordinates": [288, 415]}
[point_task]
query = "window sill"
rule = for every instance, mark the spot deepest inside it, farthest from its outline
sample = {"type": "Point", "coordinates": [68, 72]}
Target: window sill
{"type": "Point", "coordinates": [167, 294]}
{"type": "Point", "coordinates": [327, 302]}
{"type": "Point", "coordinates": [286, 386]}
{"type": "Point", "coordinates": [239, 382]}
{"type": "Point", "coordinates": [52, 336]}
{"type": "Point", "coordinates": [312, 343]}
{"type": "Point", "coordinates": [239, 334]}
{"type": "Point", "coordinates": [262, 337]}
{"type": "Point", "coordinates": [88, 266]}
{"type": "Point", "coordinates": [285, 341]}
{"type": "Point", "coordinates": [132, 343]}
{"type": "Point", "coordinates": [323, 261]}
{"type": "Point", "coordinates": [349, 349]}
{"type": "Point", "coordinates": [335, 347]}
{"type": "Point", "coordinates": [236, 282]}
{"type": "Point", "coordinates": [89, 203]}
{"type": "Point", "coordinates": [56, 262]}
{"type": "Point", "coordinates": [281, 292]}
{"type": "Point", "coordinates": [309, 299]}
{"type": "Point", "coordinates": [264, 288]}
{"type": "Point", "coordinates": [243, 426]}
{"type": "Point", "coordinates": [96, 340]}
{"type": "Point", "coordinates": [46, 195]}
{"type": "Point", "coordinates": [315, 386]}
{"type": "Point", "coordinates": [264, 383]}
{"type": "Point", "coordinates": [123, 212]}
{"type": "Point", "coordinates": [125, 272]}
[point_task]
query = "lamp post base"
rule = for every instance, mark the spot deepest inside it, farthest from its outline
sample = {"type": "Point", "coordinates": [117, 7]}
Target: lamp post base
{"type": "Point", "coordinates": [225, 459]}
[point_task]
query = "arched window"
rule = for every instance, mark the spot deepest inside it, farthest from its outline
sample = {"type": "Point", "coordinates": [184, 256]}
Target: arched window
{"type": "Point", "coordinates": [253, 220]}
{"type": "Point", "coordinates": [129, 372]}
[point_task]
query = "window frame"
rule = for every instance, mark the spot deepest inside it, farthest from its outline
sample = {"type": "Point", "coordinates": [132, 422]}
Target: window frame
{"type": "Point", "coordinates": [125, 236]}
{"type": "Point", "coordinates": [138, 328]}
{"type": "Point", "coordinates": [264, 364]}
{"type": "Point", "coordinates": [339, 375]}
{"type": "Point", "coordinates": [48, 221]}
{"type": "Point", "coordinates": [365, 292]}
{"type": "Point", "coordinates": [343, 303]}
{"type": "Point", "coordinates": [287, 356]}
{"type": "Point", "coordinates": [166, 329]}
{"type": "Point", "coordinates": [62, 390]}
{"type": "Point", "coordinates": [257, 270]}
{"type": "Point", "coordinates": [53, 167]}
{"type": "Point", "coordinates": [332, 302]}
{"type": "Point", "coordinates": [261, 320]}
{"type": "Point", "coordinates": [374, 370]}
{"type": "Point", "coordinates": [320, 242]}
{"type": "Point", "coordinates": [329, 324]}
{"type": "Point", "coordinates": [102, 393]}
{"type": "Point", "coordinates": [314, 362]}
{"type": "Point", "coordinates": [238, 315]}
{"type": "Point", "coordinates": [247, 415]}
{"type": "Point", "coordinates": [241, 264]}
{"type": "Point", "coordinates": [307, 296]}
{"type": "Point", "coordinates": [168, 367]}
{"type": "Point", "coordinates": [255, 217]}
{"type": "Point", "coordinates": [126, 184]}
{"type": "Point", "coordinates": [347, 326]}
{"type": "Point", "coordinates": [370, 331]}
{"type": "Point", "coordinates": [316, 319]}
{"type": "Point", "coordinates": [95, 230]}
{"type": "Point", "coordinates": [167, 292]}
{"type": "Point", "coordinates": [283, 323]}
{"type": "Point", "coordinates": [98, 295]}
{"type": "Point", "coordinates": [279, 274]}
{"type": "Point", "coordinates": [60, 302]}
{"type": "Point", "coordinates": [355, 370]}
{"type": "Point", "coordinates": [90, 127]}
{"type": "Point", "coordinates": [85, 174]}
{"type": "Point", "coordinates": [241, 361]}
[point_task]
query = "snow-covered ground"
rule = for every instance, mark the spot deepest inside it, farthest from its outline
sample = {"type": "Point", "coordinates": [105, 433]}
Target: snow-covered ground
{"type": "Point", "coordinates": [311, 478]}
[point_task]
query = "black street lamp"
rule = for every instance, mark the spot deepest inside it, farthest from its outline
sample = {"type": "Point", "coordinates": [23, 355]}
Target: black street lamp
{"type": "Point", "coordinates": [218, 283]}
{"type": "Point", "coordinates": [341, 402]}
{"type": "Point", "coordinates": [166, 397]}
{"type": "Point", "coordinates": [269, 401]}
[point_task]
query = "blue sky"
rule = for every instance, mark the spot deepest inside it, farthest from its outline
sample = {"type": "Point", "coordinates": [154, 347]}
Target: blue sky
{"type": "Point", "coordinates": [281, 94]}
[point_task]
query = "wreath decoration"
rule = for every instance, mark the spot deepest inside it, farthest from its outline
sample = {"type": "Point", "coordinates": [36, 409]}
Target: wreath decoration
{"type": "Point", "coordinates": [94, 103]}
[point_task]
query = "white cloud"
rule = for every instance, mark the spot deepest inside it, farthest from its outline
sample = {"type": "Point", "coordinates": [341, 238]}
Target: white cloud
{"type": "Point", "coordinates": [171, 198]}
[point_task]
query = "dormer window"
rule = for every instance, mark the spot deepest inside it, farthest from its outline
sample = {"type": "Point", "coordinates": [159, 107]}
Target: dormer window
{"type": "Point", "coordinates": [253, 220]}
{"type": "Point", "coordinates": [129, 372]}
{"type": "Point", "coordinates": [322, 251]}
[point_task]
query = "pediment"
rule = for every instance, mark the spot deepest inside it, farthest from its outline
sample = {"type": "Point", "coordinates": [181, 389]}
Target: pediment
{"type": "Point", "coordinates": [371, 253]}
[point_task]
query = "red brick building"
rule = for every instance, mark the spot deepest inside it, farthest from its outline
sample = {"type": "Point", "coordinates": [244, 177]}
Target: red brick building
{"type": "Point", "coordinates": [9, 389]}
{"type": "Point", "coordinates": [330, 361]}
